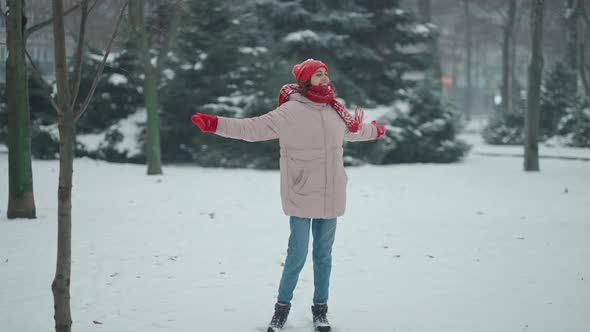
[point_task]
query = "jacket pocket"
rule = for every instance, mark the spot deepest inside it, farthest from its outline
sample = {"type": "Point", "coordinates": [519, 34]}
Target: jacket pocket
{"type": "Point", "coordinates": [305, 169]}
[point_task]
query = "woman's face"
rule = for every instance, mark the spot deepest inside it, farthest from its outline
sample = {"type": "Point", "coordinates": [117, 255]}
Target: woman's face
{"type": "Point", "coordinates": [320, 77]}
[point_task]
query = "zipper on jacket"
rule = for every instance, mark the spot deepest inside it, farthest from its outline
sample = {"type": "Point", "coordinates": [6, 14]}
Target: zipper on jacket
{"type": "Point", "coordinates": [325, 159]}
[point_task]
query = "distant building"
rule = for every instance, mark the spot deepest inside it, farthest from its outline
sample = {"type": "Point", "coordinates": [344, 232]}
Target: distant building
{"type": "Point", "coordinates": [39, 44]}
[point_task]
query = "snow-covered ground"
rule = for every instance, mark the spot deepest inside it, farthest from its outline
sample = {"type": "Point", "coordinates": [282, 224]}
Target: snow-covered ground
{"type": "Point", "coordinates": [477, 246]}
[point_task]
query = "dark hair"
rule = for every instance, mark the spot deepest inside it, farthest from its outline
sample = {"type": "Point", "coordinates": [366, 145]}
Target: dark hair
{"type": "Point", "coordinates": [304, 85]}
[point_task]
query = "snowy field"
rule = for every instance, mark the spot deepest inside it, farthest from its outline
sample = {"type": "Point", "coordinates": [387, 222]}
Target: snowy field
{"type": "Point", "coordinates": [477, 246]}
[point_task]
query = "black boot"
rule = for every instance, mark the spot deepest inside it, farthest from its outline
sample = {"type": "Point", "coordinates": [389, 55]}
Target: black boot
{"type": "Point", "coordinates": [279, 318]}
{"type": "Point", "coordinates": [320, 321]}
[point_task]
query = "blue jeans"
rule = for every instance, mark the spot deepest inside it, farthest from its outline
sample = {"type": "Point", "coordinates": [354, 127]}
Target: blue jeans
{"type": "Point", "coordinates": [323, 231]}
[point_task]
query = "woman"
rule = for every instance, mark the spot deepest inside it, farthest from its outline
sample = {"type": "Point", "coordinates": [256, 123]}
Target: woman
{"type": "Point", "coordinates": [311, 127]}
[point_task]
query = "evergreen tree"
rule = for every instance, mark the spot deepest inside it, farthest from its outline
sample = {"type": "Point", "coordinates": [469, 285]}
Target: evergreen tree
{"type": "Point", "coordinates": [42, 113]}
{"type": "Point", "coordinates": [118, 94]}
{"type": "Point", "coordinates": [217, 70]}
{"type": "Point", "coordinates": [573, 128]}
{"type": "Point", "coordinates": [394, 32]}
{"type": "Point", "coordinates": [362, 42]}
{"type": "Point", "coordinates": [421, 129]}
{"type": "Point", "coordinates": [44, 141]}
{"type": "Point", "coordinates": [507, 128]}
{"type": "Point", "coordinates": [556, 98]}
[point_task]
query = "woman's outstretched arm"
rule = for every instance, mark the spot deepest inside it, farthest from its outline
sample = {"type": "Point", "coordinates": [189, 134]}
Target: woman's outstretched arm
{"type": "Point", "coordinates": [367, 132]}
{"type": "Point", "coordinates": [260, 128]}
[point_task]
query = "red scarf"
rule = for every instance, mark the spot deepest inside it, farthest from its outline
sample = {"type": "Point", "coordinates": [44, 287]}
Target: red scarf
{"type": "Point", "coordinates": [325, 95]}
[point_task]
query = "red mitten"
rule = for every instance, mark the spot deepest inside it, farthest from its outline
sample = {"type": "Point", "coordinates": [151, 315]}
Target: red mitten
{"type": "Point", "coordinates": [207, 123]}
{"type": "Point", "coordinates": [380, 129]}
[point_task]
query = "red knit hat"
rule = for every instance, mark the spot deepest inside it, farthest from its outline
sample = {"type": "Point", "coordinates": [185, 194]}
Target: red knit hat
{"type": "Point", "coordinates": [304, 70]}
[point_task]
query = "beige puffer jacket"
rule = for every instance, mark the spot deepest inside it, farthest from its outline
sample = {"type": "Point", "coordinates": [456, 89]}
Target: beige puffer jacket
{"type": "Point", "coordinates": [313, 179]}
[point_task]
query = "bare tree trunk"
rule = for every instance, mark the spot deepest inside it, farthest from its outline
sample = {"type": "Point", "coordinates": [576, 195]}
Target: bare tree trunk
{"type": "Point", "coordinates": [67, 133]}
{"type": "Point", "coordinates": [61, 281]}
{"type": "Point", "coordinates": [512, 86]}
{"type": "Point", "coordinates": [514, 65]}
{"type": "Point", "coordinates": [21, 201]}
{"type": "Point", "coordinates": [435, 70]}
{"type": "Point", "coordinates": [150, 91]}
{"type": "Point", "coordinates": [583, 28]}
{"type": "Point", "coordinates": [506, 48]}
{"type": "Point", "coordinates": [583, 70]}
{"type": "Point", "coordinates": [456, 59]}
{"type": "Point", "coordinates": [571, 55]}
{"type": "Point", "coordinates": [531, 141]}
{"type": "Point", "coordinates": [468, 47]}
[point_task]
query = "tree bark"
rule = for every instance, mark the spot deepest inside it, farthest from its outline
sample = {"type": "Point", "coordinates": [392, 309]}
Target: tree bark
{"type": "Point", "coordinates": [150, 91]}
{"type": "Point", "coordinates": [506, 57]}
{"type": "Point", "coordinates": [67, 134]}
{"type": "Point", "coordinates": [468, 50]}
{"type": "Point", "coordinates": [514, 65]}
{"type": "Point", "coordinates": [531, 142]}
{"type": "Point", "coordinates": [61, 281]}
{"type": "Point", "coordinates": [571, 36]}
{"type": "Point", "coordinates": [79, 50]}
{"type": "Point", "coordinates": [435, 70]}
{"type": "Point", "coordinates": [583, 28]}
{"type": "Point", "coordinates": [583, 71]}
{"type": "Point", "coordinates": [456, 60]}
{"type": "Point", "coordinates": [21, 201]}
